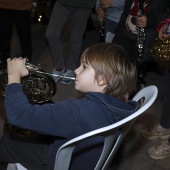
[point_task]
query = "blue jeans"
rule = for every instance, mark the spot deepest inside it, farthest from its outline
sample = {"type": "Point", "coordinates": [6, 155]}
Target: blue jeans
{"type": "Point", "coordinates": [78, 20]}
{"type": "Point", "coordinates": [110, 27]}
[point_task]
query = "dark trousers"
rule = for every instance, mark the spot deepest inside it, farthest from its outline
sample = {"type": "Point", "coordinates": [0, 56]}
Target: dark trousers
{"type": "Point", "coordinates": [129, 45]}
{"type": "Point", "coordinates": [78, 20]}
{"type": "Point", "coordinates": [165, 115]}
{"type": "Point", "coordinates": [22, 20]}
{"type": "Point", "coordinates": [29, 152]}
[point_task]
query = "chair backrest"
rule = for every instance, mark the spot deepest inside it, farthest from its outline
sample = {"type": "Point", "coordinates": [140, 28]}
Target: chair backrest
{"type": "Point", "coordinates": [111, 144]}
{"type": "Point", "coordinates": [15, 166]}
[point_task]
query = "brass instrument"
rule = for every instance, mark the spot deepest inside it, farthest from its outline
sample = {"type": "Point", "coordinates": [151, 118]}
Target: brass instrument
{"type": "Point", "coordinates": [39, 87]}
{"type": "Point", "coordinates": [37, 69]}
{"type": "Point", "coordinates": [161, 50]}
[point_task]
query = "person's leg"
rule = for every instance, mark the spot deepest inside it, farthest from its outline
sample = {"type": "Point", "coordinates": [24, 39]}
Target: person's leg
{"type": "Point", "coordinates": [60, 15]}
{"type": "Point", "coordinates": [22, 21]}
{"type": "Point", "coordinates": [161, 129]}
{"type": "Point", "coordinates": [6, 25]}
{"type": "Point", "coordinates": [79, 18]}
{"type": "Point", "coordinates": [109, 29]}
{"type": "Point", "coordinates": [29, 153]}
{"type": "Point", "coordinates": [165, 115]}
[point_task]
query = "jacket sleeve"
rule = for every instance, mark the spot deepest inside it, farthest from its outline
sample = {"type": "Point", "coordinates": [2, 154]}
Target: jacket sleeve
{"type": "Point", "coordinates": [162, 23]}
{"type": "Point", "coordinates": [57, 119]}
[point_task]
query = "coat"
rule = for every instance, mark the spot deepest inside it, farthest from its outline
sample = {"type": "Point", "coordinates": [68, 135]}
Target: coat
{"type": "Point", "coordinates": [67, 120]}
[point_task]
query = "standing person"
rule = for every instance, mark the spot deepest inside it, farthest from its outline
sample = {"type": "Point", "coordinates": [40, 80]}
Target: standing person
{"type": "Point", "coordinates": [78, 11]}
{"type": "Point", "coordinates": [109, 12]}
{"type": "Point", "coordinates": [16, 12]}
{"type": "Point", "coordinates": [127, 30]}
{"type": "Point", "coordinates": [161, 130]}
{"type": "Point", "coordinates": [106, 76]}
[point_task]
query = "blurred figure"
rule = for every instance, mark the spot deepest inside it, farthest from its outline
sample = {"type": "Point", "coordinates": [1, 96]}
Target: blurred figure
{"type": "Point", "coordinates": [109, 12]}
{"type": "Point", "coordinates": [136, 28]}
{"type": "Point", "coordinates": [78, 12]}
{"type": "Point", "coordinates": [18, 12]}
{"type": "Point", "coordinates": [161, 130]}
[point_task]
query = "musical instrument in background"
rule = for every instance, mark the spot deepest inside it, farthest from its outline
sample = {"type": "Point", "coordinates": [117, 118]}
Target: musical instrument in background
{"type": "Point", "coordinates": [102, 24]}
{"type": "Point", "coordinates": [161, 50]}
{"type": "Point", "coordinates": [41, 11]}
{"type": "Point", "coordinates": [101, 29]}
{"type": "Point", "coordinates": [141, 33]}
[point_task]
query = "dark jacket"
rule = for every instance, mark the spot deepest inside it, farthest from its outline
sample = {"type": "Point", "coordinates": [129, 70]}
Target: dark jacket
{"type": "Point", "coordinates": [68, 119]}
{"type": "Point", "coordinates": [79, 3]}
{"type": "Point", "coordinates": [155, 8]}
{"type": "Point", "coordinates": [165, 14]}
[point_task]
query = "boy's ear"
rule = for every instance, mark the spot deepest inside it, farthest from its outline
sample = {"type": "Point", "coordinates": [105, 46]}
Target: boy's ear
{"type": "Point", "coordinates": [102, 81]}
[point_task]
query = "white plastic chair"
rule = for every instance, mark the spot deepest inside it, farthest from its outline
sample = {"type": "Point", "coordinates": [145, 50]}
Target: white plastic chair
{"type": "Point", "coordinates": [111, 144]}
{"type": "Point", "coordinates": [15, 166]}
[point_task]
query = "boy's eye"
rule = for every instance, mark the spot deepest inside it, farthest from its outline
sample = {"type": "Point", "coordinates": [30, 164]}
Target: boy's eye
{"type": "Point", "coordinates": [84, 65]}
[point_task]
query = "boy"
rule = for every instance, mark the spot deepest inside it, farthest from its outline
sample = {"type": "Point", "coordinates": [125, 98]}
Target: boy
{"type": "Point", "coordinates": [106, 76]}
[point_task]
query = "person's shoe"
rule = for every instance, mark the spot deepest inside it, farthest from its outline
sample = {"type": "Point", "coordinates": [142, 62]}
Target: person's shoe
{"type": "Point", "coordinates": [160, 151]}
{"type": "Point", "coordinates": [68, 73]}
{"type": "Point", "coordinates": [58, 72]}
{"type": "Point", "coordinates": [155, 132]}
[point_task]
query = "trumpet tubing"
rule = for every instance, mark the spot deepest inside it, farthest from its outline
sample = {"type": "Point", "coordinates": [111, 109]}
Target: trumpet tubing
{"type": "Point", "coordinates": [37, 69]}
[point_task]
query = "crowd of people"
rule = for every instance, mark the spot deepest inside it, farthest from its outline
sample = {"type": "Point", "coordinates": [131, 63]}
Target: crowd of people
{"type": "Point", "coordinates": [107, 73]}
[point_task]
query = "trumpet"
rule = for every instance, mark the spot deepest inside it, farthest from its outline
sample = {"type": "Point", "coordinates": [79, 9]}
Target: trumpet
{"type": "Point", "coordinates": [37, 69]}
{"type": "Point", "coordinates": [39, 86]}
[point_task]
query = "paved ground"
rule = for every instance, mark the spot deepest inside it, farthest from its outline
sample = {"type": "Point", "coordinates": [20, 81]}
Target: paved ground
{"type": "Point", "coordinates": [132, 154]}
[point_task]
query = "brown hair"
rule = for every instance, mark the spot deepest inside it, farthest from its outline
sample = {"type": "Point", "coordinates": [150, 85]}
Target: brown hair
{"type": "Point", "coordinates": [112, 62]}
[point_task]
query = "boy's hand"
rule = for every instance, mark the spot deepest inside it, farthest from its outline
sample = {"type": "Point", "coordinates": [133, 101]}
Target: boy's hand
{"type": "Point", "coordinates": [16, 69]}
